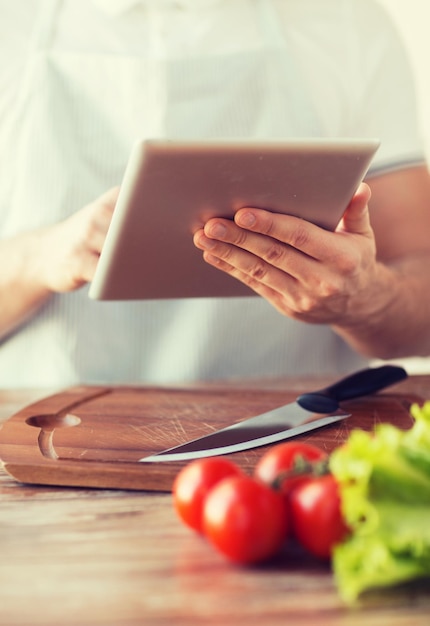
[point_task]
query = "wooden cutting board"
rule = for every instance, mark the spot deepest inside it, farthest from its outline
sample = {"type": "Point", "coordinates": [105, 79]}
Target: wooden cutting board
{"type": "Point", "coordinates": [94, 436]}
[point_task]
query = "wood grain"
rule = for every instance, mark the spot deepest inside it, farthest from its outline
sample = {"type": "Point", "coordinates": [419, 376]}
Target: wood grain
{"type": "Point", "coordinates": [95, 436]}
{"type": "Point", "coordinates": [81, 557]}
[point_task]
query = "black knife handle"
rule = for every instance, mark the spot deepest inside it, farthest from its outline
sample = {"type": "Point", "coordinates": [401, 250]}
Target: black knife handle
{"type": "Point", "coordinates": [361, 383]}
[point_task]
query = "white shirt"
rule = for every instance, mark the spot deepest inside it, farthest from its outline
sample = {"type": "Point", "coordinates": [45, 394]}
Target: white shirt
{"type": "Point", "coordinates": [80, 81]}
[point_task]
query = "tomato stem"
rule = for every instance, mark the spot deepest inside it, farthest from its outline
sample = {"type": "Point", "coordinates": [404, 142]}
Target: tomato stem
{"type": "Point", "coordinates": [301, 467]}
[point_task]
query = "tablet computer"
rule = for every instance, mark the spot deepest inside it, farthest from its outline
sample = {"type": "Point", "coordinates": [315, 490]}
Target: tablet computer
{"type": "Point", "coordinates": [171, 188]}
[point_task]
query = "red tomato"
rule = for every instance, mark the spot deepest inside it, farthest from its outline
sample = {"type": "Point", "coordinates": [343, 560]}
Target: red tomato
{"type": "Point", "coordinates": [316, 516]}
{"type": "Point", "coordinates": [193, 483]}
{"type": "Point", "coordinates": [284, 458]}
{"type": "Point", "coordinates": [245, 519]}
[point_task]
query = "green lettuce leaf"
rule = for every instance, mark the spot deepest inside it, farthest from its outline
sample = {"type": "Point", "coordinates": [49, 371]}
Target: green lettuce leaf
{"type": "Point", "coordinates": [384, 480]}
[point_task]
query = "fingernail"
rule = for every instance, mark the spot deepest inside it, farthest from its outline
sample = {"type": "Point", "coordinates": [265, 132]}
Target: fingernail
{"type": "Point", "coordinates": [217, 230]}
{"type": "Point", "coordinates": [246, 219]}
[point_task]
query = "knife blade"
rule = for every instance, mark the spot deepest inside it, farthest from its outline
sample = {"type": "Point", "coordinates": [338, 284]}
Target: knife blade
{"type": "Point", "coordinates": [310, 411]}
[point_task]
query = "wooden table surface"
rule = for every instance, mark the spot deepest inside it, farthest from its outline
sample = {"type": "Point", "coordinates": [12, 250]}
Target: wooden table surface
{"type": "Point", "coordinates": [74, 556]}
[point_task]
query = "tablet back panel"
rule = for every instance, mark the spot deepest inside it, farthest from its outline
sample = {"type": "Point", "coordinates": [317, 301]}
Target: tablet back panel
{"type": "Point", "coordinates": [170, 189]}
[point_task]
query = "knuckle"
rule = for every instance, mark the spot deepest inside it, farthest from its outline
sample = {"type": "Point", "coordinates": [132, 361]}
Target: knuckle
{"type": "Point", "coordinates": [328, 290]}
{"type": "Point", "coordinates": [251, 282]}
{"type": "Point", "coordinates": [225, 252]}
{"type": "Point", "coordinates": [258, 270]}
{"type": "Point", "coordinates": [240, 238]}
{"type": "Point", "coordinates": [275, 253]}
{"type": "Point", "coordinates": [349, 265]}
{"type": "Point", "coordinates": [299, 237]}
{"type": "Point", "coordinates": [324, 296]}
{"type": "Point", "coordinates": [267, 225]}
{"type": "Point", "coordinates": [306, 305]}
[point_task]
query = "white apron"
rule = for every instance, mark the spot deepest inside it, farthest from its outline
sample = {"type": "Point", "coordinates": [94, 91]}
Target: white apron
{"type": "Point", "coordinates": [76, 340]}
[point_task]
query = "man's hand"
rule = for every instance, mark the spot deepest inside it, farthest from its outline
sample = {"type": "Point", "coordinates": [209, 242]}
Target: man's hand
{"type": "Point", "coordinates": [70, 250]}
{"type": "Point", "coordinates": [305, 272]}
{"type": "Point", "coordinates": [57, 258]}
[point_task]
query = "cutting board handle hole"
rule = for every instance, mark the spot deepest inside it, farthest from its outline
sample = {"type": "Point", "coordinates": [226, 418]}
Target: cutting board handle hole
{"type": "Point", "coordinates": [47, 425]}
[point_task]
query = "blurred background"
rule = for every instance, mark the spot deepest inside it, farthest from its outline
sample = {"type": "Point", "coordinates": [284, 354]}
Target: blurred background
{"type": "Point", "coordinates": [412, 18]}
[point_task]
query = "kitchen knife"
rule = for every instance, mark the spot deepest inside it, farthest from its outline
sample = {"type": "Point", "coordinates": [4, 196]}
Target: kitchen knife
{"type": "Point", "coordinates": [309, 411]}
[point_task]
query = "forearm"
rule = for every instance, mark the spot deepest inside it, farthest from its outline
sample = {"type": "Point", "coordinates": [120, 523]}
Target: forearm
{"type": "Point", "coordinates": [21, 291]}
{"type": "Point", "coordinates": [56, 259]}
{"type": "Point", "coordinates": [393, 319]}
